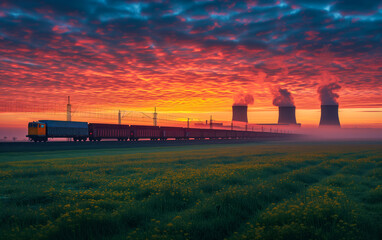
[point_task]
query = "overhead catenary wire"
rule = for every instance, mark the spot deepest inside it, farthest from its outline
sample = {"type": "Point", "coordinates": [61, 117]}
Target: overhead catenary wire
{"type": "Point", "coordinates": [81, 112]}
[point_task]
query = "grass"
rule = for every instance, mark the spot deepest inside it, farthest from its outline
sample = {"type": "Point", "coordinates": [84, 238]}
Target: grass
{"type": "Point", "coordinates": [254, 191]}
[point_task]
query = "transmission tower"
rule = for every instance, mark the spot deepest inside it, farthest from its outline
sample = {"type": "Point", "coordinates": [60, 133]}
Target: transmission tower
{"type": "Point", "coordinates": [155, 118]}
{"type": "Point", "coordinates": [69, 111]}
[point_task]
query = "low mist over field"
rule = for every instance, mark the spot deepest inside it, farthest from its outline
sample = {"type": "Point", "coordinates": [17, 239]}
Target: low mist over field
{"type": "Point", "coordinates": [341, 134]}
{"type": "Point", "coordinates": [254, 191]}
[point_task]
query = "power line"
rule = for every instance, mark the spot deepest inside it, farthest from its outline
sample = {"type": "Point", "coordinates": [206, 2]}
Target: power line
{"type": "Point", "coordinates": [131, 117]}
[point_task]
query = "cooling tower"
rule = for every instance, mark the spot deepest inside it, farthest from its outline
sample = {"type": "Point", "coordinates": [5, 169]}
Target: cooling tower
{"type": "Point", "coordinates": [329, 116]}
{"type": "Point", "coordinates": [287, 115]}
{"type": "Point", "coordinates": [239, 113]}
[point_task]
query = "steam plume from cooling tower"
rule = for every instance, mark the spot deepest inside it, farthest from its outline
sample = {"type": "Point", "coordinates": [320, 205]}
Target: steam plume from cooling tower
{"type": "Point", "coordinates": [283, 98]}
{"type": "Point", "coordinates": [327, 96]}
{"type": "Point", "coordinates": [243, 99]}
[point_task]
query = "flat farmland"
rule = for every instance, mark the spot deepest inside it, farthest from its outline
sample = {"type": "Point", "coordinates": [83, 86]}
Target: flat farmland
{"type": "Point", "coordinates": [227, 191]}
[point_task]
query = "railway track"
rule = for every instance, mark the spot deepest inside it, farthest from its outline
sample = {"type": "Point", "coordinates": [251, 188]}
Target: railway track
{"type": "Point", "coordinates": [65, 145]}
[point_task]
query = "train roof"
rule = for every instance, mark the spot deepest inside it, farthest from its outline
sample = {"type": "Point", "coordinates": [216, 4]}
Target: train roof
{"type": "Point", "coordinates": [55, 123]}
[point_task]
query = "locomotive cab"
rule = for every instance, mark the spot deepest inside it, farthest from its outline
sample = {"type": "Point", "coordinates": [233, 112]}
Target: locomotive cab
{"type": "Point", "coordinates": [37, 132]}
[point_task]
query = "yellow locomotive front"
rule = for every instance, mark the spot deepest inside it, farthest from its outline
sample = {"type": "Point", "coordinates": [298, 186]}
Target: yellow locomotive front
{"type": "Point", "coordinates": [37, 132]}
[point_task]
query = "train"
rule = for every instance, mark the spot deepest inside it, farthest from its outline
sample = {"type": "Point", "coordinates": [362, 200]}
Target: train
{"type": "Point", "coordinates": [42, 130]}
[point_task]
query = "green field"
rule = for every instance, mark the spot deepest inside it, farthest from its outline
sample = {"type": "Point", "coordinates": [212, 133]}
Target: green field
{"type": "Point", "coordinates": [254, 191]}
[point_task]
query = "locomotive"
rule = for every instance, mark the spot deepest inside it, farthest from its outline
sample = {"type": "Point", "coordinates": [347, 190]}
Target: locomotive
{"type": "Point", "coordinates": [42, 130]}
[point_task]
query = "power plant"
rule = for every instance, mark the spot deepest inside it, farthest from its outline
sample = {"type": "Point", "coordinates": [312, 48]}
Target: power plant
{"type": "Point", "coordinates": [329, 116]}
{"type": "Point", "coordinates": [239, 113]}
{"type": "Point", "coordinates": [287, 115]}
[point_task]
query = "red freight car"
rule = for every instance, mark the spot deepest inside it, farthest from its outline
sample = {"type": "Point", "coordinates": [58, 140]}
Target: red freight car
{"type": "Point", "coordinates": [98, 131]}
{"type": "Point", "coordinates": [222, 134]}
{"type": "Point", "coordinates": [194, 133]}
{"type": "Point", "coordinates": [172, 132]}
{"type": "Point", "coordinates": [252, 135]}
{"type": "Point", "coordinates": [148, 132]}
{"type": "Point", "coordinates": [239, 134]}
{"type": "Point", "coordinates": [247, 134]}
{"type": "Point", "coordinates": [209, 133]}
{"type": "Point", "coordinates": [232, 134]}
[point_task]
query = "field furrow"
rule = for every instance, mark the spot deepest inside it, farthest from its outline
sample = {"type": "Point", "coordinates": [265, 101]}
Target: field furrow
{"type": "Point", "coordinates": [330, 208]}
{"type": "Point", "coordinates": [258, 191]}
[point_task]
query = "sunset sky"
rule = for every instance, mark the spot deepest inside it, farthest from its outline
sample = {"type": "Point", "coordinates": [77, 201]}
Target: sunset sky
{"type": "Point", "coordinates": [189, 58]}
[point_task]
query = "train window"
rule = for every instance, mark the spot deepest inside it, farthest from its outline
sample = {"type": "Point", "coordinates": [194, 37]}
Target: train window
{"type": "Point", "coordinates": [42, 125]}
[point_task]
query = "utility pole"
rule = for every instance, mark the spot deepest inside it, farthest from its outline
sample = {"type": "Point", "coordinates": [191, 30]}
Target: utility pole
{"type": "Point", "coordinates": [119, 117]}
{"type": "Point", "coordinates": [68, 111]}
{"type": "Point", "coordinates": [188, 122]}
{"type": "Point", "coordinates": [211, 122]}
{"type": "Point", "coordinates": [155, 118]}
{"type": "Point", "coordinates": [69, 114]}
{"type": "Point", "coordinates": [231, 126]}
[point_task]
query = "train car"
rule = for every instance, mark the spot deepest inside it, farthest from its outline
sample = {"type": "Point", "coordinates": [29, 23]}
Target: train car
{"type": "Point", "coordinates": [231, 134]}
{"type": "Point", "coordinates": [43, 129]}
{"type": "Point", "coordinates": [194, 133]}
{"type": "Point", "coordinates": [246, 134]}
{"type": "Point", "coordinates": [37, 132]}
{"type": "Point", "coordinates": [221, 134]}
{"type": "Point", "coordinates": [240, 134]}
{"type": "Point", "coordinates": [253, 134]}
{"type": "Point", "coordinates": [172, 132]}
{"type": "Point", "coordinates": [267, 135]}
{"type": "Point", "coordinates": [147, 132]}
{"type": "Point", "coordinates": [209, 133]}
{"type": "Point", "coordinates": [99, 131]}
